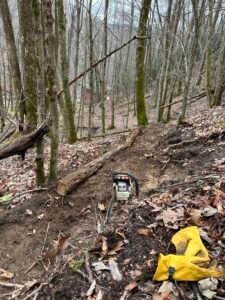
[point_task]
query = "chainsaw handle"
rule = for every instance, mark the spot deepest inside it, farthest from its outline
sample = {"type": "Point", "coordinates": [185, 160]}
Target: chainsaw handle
{"type": "Point", "coordinates": [130, 175]}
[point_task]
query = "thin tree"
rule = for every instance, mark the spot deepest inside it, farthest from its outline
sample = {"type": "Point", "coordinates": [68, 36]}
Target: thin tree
{"type": "Point", "coordinates": [28, 60]}
{"type": "Point", "coordinates": [142, 119]}
{"type": "Point", "coordinates": [79, 24]}
{"type": "Point", "coordinates": [50, 75]}
{"type": "Point", "coordinates": [209, 54]}
{"type": "Point", "coordinates": [40, 86]}
{"type": "Point", "coordinates": [103, 90]}
{"type": "Point", "coordinates": [91, 77]}
{"type": "Point", "coordinates": [72, 137]}
{"type": "Point", "coordinates": [220, 70]}
{"type": "Point", "coordinates": [13, 58]}
{"type": "Point", "coordinates": [192, 59]}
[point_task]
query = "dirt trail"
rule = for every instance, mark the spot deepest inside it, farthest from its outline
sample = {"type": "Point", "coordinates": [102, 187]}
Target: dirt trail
{"type": "Point", "coordinates": [22, 235]}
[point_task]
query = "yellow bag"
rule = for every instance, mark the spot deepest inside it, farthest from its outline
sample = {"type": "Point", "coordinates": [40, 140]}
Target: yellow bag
{"type": "Point", "coordinates": [182, 266]}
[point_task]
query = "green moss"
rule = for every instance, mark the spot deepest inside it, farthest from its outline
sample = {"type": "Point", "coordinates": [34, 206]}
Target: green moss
{"type": "Point", "coordinates": [75, 265]}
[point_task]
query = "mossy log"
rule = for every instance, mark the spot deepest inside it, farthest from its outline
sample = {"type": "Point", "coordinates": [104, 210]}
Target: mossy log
{"type": "Point", "coordinates": [68, 183]}
{"type": "Point", "coordinates": [20, 145]}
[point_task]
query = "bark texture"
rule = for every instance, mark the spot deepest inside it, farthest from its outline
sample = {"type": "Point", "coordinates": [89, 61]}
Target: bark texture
{"type": "Point", "coordinates": [72, 137]}
{"type": "Point", "coordinates": [140, 57]}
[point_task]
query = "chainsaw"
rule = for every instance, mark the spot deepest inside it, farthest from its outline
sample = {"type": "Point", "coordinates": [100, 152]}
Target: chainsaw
{"type": "Point", "coordinates": [125, 185]}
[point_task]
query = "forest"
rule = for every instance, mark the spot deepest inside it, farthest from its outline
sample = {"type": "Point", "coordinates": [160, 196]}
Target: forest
{"type": "Point", "coordinates": [112, 129]}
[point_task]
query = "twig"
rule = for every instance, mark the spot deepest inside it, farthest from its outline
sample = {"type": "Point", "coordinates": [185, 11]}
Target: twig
{"type": "Point", "coordinates": [197, 97]}
{"type": "Point", "coordinates": [11, 285]}
{"type": "Point", "coordinates": [101, 60]}
{"type": "Point", "coordinates": [166, 163]}
{"type": "Point", "coordinates": [35, 292]}
{"type": "Point", "coordinates": [45, 240]}
{"type": "Point", "coordinates": [107, 134]}
{"type": "Point", "coordinates": [109, 210]}
{"type": "Point", "coordinates": [23, 193]}
{"type": "Point", "coordinates": [88, 268]}
{"type": "Point", "coordinates": [31, 267]}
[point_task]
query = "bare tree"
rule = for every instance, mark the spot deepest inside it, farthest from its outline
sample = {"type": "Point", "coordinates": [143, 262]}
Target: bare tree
{"type": "Point", "coordinates": [50, 74]}
{"type": "Point", "coordinates": [72, 137]}
{"type": "Point", "coordinates": [91, 77]}
{"type": "Point", "coordinates": [13, 58]}
{"type": "Point", "coordinates": [140, 56]}
{"type": "Point", "coordinates": [103, 87]}
{"type": "Point", "coordinates": [28, 60]}
{"type": "Point", "coordinates": [40, 86]}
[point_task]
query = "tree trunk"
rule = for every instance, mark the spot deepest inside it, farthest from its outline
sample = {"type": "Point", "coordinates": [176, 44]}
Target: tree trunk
{"type": "Point", "coordinates": [168, 62]}
{"type": "Point", "coordinates": [79, 21]}
{"type": "Point", "coordinates": [142, 119]}
{"type": "Point", "coordinates": [91, 78]}
{"type": "Point", "coordinates": [28, 60]}
{"type": "Point", "coordinates": [50, 74]}
{"type": "Point", "coordinates": [191, 61]}
{"type": "Point", "coordinates": [220, 73]}
{"type": "Point", "coordinates": [40, 87]}
{"type": "Point", "coordinates": [103, 87]}
{"type": "Point", "coordinates": [217, 11]}
{"type": "Point", "coordinates": [72, 137]}
{"type": "Point", "coordinates": [13, 58]}
{"type": "Point", "coordinates": [209, 54]}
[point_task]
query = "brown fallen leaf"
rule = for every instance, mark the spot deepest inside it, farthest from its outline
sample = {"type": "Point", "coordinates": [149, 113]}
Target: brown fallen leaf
{"type": "Point", "coordinates": [59, 246]}
{"type": "Point", "coordinates": [63, 242]}
{"type": "Point", "coordinates": [219, 196]}
{"type": "Point", "coordinates": [145, 231]}
{"type": "Point", "coordinates": [167, 216]}
{"type": "Point", "coordinates": [196, 216]}
{"type": "Point", "coordinates": [5, 274]}
{"type": "Point", "coordinates": [118, 247]}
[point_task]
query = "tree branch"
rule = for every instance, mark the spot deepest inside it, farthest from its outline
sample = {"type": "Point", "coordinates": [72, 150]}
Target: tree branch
{"type": "Point", "coordinates": [101, 60]}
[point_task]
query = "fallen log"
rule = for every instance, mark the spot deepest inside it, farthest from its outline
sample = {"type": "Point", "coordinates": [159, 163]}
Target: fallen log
{"type": "Point", "coordinates": [68, 183]}
{"type": "Point", "coordinates": [20, 145]}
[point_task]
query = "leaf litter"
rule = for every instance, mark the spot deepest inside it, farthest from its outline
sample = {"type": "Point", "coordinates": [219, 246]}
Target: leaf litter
{"type": "Point", "coordinates": [122, 265]}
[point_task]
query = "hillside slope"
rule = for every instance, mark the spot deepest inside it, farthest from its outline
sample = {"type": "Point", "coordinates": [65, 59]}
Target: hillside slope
{"type": "Point", "coordinates": [181, 178]}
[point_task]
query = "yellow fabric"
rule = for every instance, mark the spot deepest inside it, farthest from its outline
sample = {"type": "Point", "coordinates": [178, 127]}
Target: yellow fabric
{"type": "Point", "coordinates": [190, 251]}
